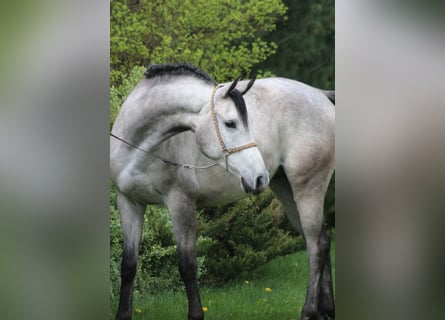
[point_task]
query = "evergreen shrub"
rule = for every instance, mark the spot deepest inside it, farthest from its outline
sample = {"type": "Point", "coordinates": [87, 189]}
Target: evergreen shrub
{"type": "Point", "coordinates": [245, 235]}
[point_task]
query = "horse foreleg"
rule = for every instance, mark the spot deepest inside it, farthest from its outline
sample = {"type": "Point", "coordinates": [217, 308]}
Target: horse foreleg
{"type": "Point", "coordinates": [182, 210]}
{"type": "Point", "coordinates": [188, 267]}
{"type": "Point", "coordinates": [132, 218]}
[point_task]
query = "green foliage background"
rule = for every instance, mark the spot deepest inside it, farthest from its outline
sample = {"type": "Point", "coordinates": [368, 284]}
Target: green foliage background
{"type": "Point", "coordinates": [225, 38]}
{"type": "Point", "coordinates": [305, 43]}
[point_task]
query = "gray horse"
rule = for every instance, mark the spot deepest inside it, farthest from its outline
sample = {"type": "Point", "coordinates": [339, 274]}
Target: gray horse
{"type": "Point", "coordinates": [183, 141]}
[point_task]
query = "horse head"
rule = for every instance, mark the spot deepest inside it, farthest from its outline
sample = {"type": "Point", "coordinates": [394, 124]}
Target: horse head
{"type": "Point", "coordinates": [223, 132]}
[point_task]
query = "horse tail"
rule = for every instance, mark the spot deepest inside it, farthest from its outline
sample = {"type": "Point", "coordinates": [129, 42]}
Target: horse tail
{"type": "Point", "coordinates": [330, 94]}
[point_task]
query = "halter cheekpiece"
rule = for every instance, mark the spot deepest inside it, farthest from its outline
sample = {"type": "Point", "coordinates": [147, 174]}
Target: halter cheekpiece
{"type": "Point", "coordinates": [226, 150]}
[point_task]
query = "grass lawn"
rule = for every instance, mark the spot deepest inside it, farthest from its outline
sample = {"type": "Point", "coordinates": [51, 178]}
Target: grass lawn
{"type": "Point", "coordinates": [285, 277]}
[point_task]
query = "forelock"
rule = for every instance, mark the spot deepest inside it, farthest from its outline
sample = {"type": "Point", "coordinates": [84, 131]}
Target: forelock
{"type": "Point", "coordinates": [240, 105]}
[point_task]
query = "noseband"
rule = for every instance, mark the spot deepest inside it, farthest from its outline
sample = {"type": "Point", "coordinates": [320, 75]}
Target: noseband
{"type": "Point", "coordinates": [226, 151]}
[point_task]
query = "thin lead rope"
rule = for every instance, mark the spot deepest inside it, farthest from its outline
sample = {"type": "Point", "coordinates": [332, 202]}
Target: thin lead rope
{"type": "Point", "coordinates": [175, 164]}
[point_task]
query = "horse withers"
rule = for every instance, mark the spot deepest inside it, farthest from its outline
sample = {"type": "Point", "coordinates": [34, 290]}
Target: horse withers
{"type": "Point", "coordinates": [183, 141]}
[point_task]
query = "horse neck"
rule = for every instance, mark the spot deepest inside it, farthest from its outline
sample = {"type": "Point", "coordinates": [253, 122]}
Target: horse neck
{"type": "Point", "coordinates": [153, 115]}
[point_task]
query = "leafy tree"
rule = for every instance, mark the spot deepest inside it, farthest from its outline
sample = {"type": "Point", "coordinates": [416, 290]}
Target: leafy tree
{"type": "Point", "coordinates": [305, 43]}
{"type": "Point", "coordinates": [223, 37]}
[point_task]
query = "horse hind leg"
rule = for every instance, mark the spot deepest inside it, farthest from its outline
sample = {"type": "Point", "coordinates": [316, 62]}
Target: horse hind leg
{"type": "Point", "coordinates": [306, 215]}
{"type": "Point", "coordinates": [311, 217]}
{"type": "Point", "coordinates": [326, 303]}
{"type": "Point", "coordinates": [132, 218]}
{"type": "Point", "coordinates": [183, 213]}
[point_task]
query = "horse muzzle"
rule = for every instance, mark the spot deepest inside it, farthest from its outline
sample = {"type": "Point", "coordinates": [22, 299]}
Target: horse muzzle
{"type": "Point", "coordinates": [259, 184]}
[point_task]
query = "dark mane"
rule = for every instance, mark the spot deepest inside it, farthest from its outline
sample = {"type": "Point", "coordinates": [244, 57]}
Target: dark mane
{"type": "Point", "coordinates": [177, 69]}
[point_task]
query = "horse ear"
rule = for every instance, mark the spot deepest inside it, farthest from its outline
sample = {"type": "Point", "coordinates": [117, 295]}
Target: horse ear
{"type": "Point", "coordinates": [232, 86]}
{"type": "Point", "coordinates": [249, 85]}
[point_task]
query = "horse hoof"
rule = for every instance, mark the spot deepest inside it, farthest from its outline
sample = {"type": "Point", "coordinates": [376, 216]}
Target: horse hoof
{"type": "Point", "coordinates": [126, 316]}
{"type": "Point", "coordinates": [196, 317]}
{"type": "Point", "coordinates": [316, 316]}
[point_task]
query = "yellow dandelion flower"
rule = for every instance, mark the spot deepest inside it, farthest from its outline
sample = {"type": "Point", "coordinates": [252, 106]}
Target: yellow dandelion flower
{"type": "Point", "coordinates": [246, 282]}
{"type": "Point", "coordinates": [268, 289]}
{"type": "Point", "coordinates": [205, 309]}
{"type": "Point", "coordinates": [138, 311]}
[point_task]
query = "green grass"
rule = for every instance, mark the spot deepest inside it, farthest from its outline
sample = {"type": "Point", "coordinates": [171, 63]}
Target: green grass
{"type": "Point", "coordinates": [286, 277]}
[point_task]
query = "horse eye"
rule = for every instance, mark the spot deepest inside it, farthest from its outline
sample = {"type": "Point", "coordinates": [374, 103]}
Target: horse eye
{"type": "Point", "coordinates": [230, 124]}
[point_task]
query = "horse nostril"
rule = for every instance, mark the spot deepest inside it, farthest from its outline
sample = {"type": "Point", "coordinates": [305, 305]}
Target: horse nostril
{"type": "Point", "coordinates": [259, 183]}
